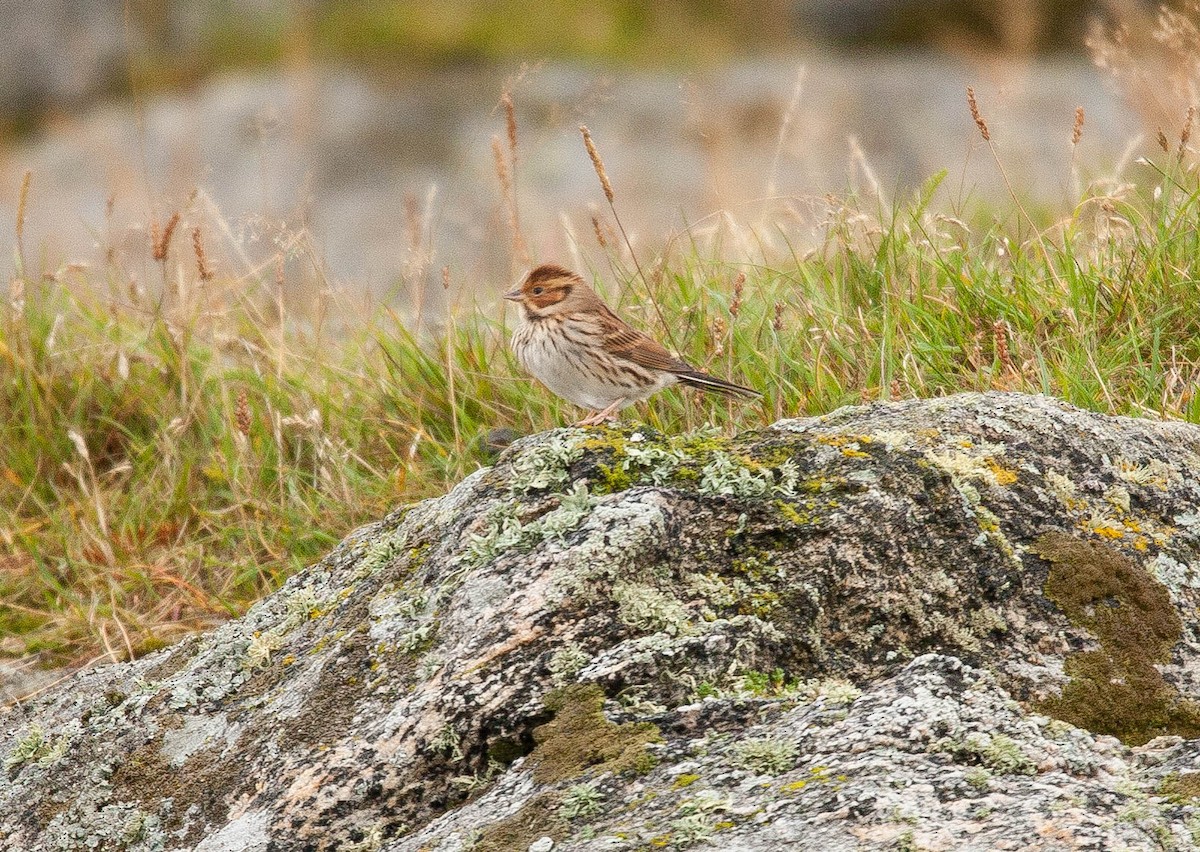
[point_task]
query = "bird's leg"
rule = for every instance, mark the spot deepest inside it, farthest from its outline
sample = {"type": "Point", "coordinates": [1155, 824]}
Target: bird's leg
{"type": "Point", "coordinates": [598, 417]}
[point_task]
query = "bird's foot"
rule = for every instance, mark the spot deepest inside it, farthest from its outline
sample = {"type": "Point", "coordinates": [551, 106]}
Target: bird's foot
{"type": "Point", "coordinates": [598, 417]}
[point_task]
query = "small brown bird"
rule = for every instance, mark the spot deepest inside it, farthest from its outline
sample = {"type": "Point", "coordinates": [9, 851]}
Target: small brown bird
{"type": "Point", "coordinates": [576, 346]}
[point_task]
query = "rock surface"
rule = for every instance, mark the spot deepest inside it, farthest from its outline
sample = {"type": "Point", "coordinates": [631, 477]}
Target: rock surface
{"type": "Point", "coordinates": [959, 624]}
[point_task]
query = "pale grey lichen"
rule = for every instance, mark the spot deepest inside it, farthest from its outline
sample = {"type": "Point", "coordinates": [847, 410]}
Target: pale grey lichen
{"type": "Point", "coordinates": [262, 645]}
{"type": "Point", "coordinates": [691, 829]}
{"type": "Point", "coordinates": [652, 464]}
{"type": "Point", "coordinates": [34, 746]}
{"type": "Point", "coordinates": [1154, 472]}
{"type": "Point", "coordinates": [545, 465]}
{"type": "Point", "coordinates": [121, 825]}
{"type": "Point", "coordinates": [766, 755]}
{"type": "Point", "coordinates": [996, 751]}
{"type": "Point", "coordinates": [382, 552]}
{"type": "Point", "coordinates": [566, 662]}
{"type": "Point", "coordinates": [646, 608]}
{"type": "Point", "coordinates": [581, 800]}
{"type": "Point", "coordinates": [726, 476]}
{"type": "Point", "coordinates": [504, 530]}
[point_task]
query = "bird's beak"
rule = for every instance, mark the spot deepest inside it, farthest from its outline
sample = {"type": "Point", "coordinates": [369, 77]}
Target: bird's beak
{"type": "Point", "coordinates": [513, 295]}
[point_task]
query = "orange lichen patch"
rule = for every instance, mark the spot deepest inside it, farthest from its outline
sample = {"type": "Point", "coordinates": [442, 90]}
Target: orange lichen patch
{"type": "Point", "coordinates": [1004, 476]}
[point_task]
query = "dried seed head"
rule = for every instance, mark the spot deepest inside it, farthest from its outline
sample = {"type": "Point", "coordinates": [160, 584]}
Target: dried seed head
{"type": "Point", "coordinates": [22, 199]}
{"type": "Point", "coordinates": [718, 334]}
{"type": "Point", "coordinates": [1162, 142]}
{"type": "Point", "coordinates": [445, 277]}
{"type": "Point", "coordinates": [777, 323]}
{"type": "Point", "coordinates": [242, 412]}
{"type": "Point", "coordinates": [1000, 343]}
{"type": "Point", "coordinates": [202, 265]}
{"type": "Point", "coordinates": [1186, 134]}
{"type": "Point", "coordinates": [735, 306]}
{"type": "Point", "coordinates": [599, 232]}
{"type": "Point", "coordinates": [1077, 131]}
{"type": "Point", "coordinates": [597, 163]}
{"type": "Point", "coordinates": [162, 241]}
{"type": "Point", "coordinates": [975, 114]}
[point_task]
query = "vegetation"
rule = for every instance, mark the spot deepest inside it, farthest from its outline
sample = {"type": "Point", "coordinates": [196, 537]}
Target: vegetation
{"type": "Point", "coordinates": [171, 453]}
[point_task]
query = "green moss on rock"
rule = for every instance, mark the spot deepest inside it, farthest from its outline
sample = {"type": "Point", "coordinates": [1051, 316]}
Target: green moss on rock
{"type": "Point", "coordinates": [1117, 689]}
{"type": "Point", "coordinates": [1182, 788]}
{"type": "Point", "coordinates": [579, 738]}
{"type": "Point", "coordinates": [538, 818]}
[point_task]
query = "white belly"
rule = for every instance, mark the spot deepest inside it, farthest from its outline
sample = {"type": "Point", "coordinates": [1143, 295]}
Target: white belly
{"type": "Point", "coordinates": [564, 370]}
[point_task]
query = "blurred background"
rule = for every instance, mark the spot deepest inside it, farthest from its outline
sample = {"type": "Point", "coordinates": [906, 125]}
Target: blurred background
{"type": "Point", "coordinates": [354, 139]}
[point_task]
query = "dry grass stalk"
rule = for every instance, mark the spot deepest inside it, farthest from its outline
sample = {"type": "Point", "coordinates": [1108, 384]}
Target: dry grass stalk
{"type": "Point", "coordinates": [162, 240]}
{"type": "Point", "coordinates": [1185, 135]}
{"type": "Point", "coordinates": [597, 163]}
{"type": "Point", "coordinates": [785, 126]}
{"type": "Point", "coordinates": [1151, 55]}
{"type": "Point", "coordinates": [412, 222]}
{"type": "Point", "coordinates": [510, 121]}
{"type": "Point", "coordinates": [520, 252]}
{"type": "Point", "coordinates": [1077, 130]}
{"type": "Point", "coordinates": [445, 277]}
{"type": "Point", "coordinates": [975, 114]}
{"type": "Point", "coordinates": [22, 201]}
{"type": "Point", "coordinates": [202, 265]}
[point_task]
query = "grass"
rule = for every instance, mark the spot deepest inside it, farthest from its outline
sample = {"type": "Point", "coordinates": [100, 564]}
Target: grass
{"type": "Point", "coordinates": [165, 461]}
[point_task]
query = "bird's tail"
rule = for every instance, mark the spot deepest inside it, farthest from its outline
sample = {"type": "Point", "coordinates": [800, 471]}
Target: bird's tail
{"type": "Point", "coordinates": [703, 381]}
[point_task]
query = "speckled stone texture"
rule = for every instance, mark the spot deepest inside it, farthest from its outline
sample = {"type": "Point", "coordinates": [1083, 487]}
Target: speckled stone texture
{"type": "Point", "coordinates": [956, 624]}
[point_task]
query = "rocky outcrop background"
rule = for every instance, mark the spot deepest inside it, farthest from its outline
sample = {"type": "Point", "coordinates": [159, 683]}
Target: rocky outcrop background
{"type": "Point", "coordinates": [965, 623]}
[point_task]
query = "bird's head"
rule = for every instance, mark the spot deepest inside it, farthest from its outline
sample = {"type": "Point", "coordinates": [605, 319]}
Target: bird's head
{"type": "Point", "coordinates": [548, 289]}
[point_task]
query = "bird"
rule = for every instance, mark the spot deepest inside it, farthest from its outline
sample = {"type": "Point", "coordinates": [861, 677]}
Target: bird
{"type": "Point", "coordinates": [574, 344]}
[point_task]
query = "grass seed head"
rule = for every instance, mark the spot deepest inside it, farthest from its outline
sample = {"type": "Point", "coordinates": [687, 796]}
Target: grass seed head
{"type": "Point", "coordinates": [975, 114]}
{"type": "Point", "coordinates": [597, 163]}
{"type": "Point", "coordinates": [162, 239]}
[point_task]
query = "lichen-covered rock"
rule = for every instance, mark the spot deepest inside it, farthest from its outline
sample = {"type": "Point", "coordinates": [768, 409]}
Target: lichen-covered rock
{"type": "Point", "coordinates": [965, 623]}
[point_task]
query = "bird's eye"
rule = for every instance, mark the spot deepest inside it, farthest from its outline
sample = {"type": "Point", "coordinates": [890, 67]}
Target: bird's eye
{"type": "Point", "coordinates": [537, 291]}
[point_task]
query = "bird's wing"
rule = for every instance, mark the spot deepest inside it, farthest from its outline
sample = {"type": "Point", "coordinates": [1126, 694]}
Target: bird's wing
{"type": "Point", "coordinates": [623, 341]}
